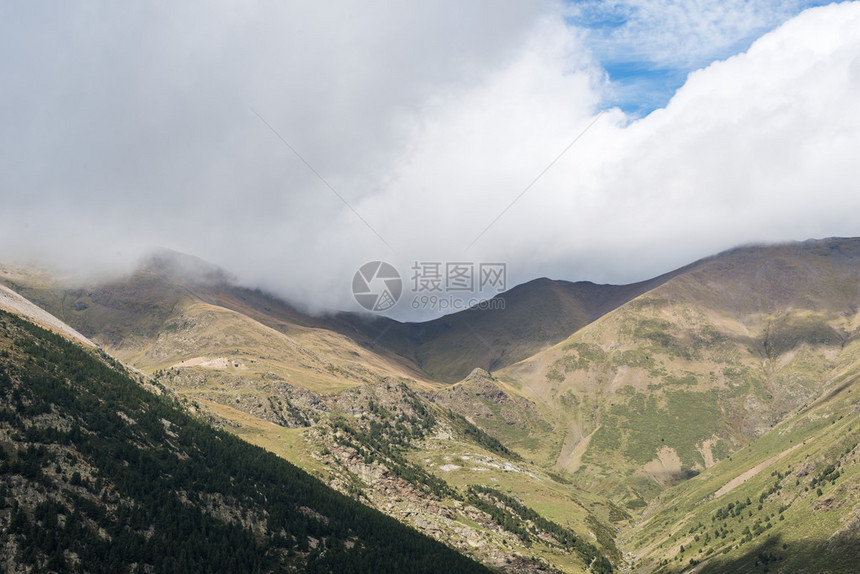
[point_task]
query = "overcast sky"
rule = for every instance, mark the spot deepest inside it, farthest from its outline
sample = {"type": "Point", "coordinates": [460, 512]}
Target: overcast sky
{"type": "Point", "coordinates": [422, 128]}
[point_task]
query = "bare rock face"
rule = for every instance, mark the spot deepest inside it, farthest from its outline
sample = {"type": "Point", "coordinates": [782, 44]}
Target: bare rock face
{"type": "Point", "coordinates": [273, 400]}
{"type": "Point", "coordinates": [480, 396]}
{"type": "Point", "coordinates": [389, 394]}
{"type": "Point", "coordinates": [386, 414]}
{"type": "Point", "coordinates": [14, 303]}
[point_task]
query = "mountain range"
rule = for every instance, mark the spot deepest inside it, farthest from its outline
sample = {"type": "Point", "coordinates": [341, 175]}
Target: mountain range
{"type": "Point", "coordinates": [702, 420]}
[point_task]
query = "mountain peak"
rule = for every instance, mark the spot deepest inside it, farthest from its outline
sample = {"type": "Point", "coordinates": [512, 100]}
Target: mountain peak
{"type": "Point", "coordinates": [479, 373]}
{"type": "Point", "coordinates": [184, 269]}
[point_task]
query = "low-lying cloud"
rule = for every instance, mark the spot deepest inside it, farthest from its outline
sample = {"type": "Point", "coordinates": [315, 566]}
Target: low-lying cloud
{"type": "Point", "coordinates": [128, 128]}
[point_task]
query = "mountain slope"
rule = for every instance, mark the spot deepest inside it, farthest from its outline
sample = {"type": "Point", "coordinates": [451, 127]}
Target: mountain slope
{"type": "Point", "coordinates": [321, 401]}
{"type": "Point", "coordinates": [11, 301]}
{"type": "Point", "coordinates": [788, 502]}
{"type": "Point", "coordinates": [668, 380]}
{"type": "Point", "coordinates": [518, 324]}
{"type": "Point", "coordinates": [176, 310]}
{"type": "Point", "coordinates": [99, 473]}
{"type": "Point", "coordinates": [692, 370]}
{"type": "Point", "coordinates": [127, 313]}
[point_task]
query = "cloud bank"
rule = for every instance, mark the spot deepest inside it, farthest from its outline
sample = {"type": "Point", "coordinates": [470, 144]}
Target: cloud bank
{"type": "Point", "coordinates": [126, 128]}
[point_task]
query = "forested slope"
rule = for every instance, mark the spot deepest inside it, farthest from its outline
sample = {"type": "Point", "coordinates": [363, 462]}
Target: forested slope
{"type": "Point", "coordinates": [99, 474]}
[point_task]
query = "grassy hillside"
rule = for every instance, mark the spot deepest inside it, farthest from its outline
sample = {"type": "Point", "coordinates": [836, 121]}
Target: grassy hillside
{"type": "Point", "coordinates": [99, 474]}
{"type": "Point", "coordinates": [152, 321]}
{"type": "Point", "coordinates": [679, 378]}
{"type": "Point", "coordinates": [787, 502]}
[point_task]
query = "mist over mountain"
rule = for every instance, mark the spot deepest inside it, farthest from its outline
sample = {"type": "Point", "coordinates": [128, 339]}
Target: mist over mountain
{"type": "Point", "coordinates": [520, 139]}
{"type": "Point", "coordinates": [442, 287]}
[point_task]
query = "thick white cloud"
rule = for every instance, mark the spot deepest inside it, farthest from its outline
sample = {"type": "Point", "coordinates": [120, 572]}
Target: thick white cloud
{"type": "Point", "coordinates": [124, 130]}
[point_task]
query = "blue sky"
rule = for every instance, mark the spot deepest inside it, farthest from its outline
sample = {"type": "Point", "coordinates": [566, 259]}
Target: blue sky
{"type": "Point", "coordinates": [647, 47]}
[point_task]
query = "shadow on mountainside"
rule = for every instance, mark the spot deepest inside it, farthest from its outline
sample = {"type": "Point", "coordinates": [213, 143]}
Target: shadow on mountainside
{"type": "Point", "coordinates": [840, 553]}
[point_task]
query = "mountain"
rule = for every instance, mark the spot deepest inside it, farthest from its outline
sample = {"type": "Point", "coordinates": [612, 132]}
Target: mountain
{"type": "Point", "coordinates": [129, 311]}
{"type": "Point", "coordinates": [699, 388]}
{"type": "Point", "coordinates": [787, 502]}
{"type": "Point", "coordinates": [357, 420]}
{"type": "Point", "coordinates": [583, 428]}
{"type": "Point", "coordinates": [176, 309]}
{"type": "Point", "coordinates": [98, 473]}
{"type": "Point", "coordinates": [699, 366]}
{"type": "Point", "coordinates": [514, 326]}
{"type": "Point", "coordinates": [17, 304]}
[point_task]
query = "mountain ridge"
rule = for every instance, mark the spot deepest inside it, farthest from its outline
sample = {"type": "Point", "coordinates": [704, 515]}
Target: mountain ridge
{"type": "Point", "coordinates": [652, 386]}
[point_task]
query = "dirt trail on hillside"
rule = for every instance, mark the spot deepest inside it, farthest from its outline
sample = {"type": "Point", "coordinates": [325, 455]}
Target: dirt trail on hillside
{"type": "Point", "coordinates": [216, 363]}
{"type": "Point", "coordinates": [14, 303]}
{"type": "Point", "coordinates": [742, 478]}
